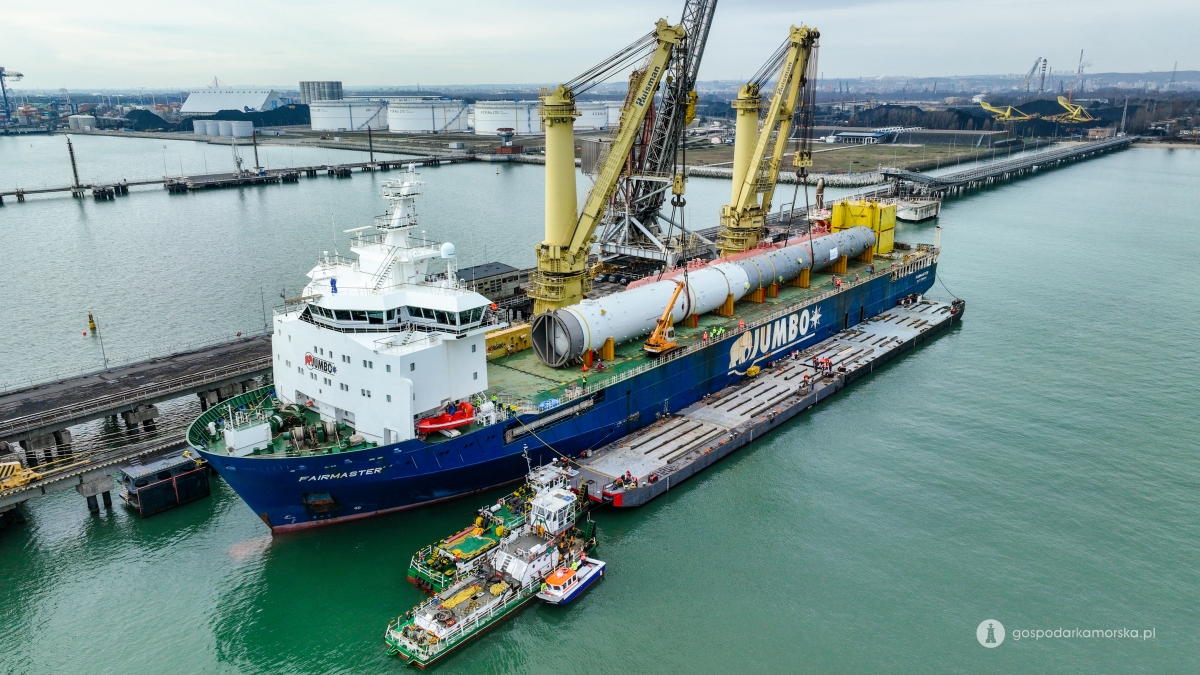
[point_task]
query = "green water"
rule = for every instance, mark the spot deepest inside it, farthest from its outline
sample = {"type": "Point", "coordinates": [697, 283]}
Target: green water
{"type": "Point", "coordinates": [1036, 466]}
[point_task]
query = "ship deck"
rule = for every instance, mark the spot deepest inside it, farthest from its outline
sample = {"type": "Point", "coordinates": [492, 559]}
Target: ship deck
{"type": "Point", "coordinates": [524, 378]}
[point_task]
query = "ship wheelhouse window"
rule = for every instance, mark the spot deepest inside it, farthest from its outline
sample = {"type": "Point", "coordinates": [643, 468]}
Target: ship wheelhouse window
{"type": "Point", "coordinates": [358, 315]}
{"type": "Point", "coordinates": [341, 315]}
{"type": "Point", "coordinates": [375, 317]}
{"type": "Point", "coordinates": [443, 317]}
{"type": "Point", "coordinates": [428, 314]}
{"type": "Point", "coordinates": [391, 315]}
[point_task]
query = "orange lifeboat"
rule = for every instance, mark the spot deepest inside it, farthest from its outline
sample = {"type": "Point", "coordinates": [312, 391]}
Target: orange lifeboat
{"type": "Point", "coordinates": [465, 414]}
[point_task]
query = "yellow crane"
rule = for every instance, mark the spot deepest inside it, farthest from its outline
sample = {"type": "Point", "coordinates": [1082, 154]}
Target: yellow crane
{"type": "Point", "coordinates": [662, 340]}
{"type": "Point", "coordinates": [757, 155]}
{"type": "Point", "coordinates": [1074, 113]}
{"type": "Point", "coordinates": [13, 475]}
{"type": "Point", "coordinates": [1007, 113]}
{"type": "Point", "coordinates": [561, 277]}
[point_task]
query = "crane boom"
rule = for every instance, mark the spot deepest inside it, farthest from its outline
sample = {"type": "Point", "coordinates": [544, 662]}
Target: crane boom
{"type": "Point", "coordinates": [1007, 113]}
{"type": "Point", "coordinates": [1074, 113]}
{"type": "Point", "coordinates": [561, 278]}
{"type": "Point", "coordinates": [676, 110]}
{"type": "Point", "coordinates": [756, 170]}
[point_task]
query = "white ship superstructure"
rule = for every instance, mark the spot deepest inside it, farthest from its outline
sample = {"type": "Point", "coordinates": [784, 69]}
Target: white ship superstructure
{"type": "Point", "coordinates": [376, 342]}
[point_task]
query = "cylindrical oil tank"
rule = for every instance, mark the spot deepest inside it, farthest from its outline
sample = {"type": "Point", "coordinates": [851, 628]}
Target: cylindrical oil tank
{"type": "Point", "coordinates": [426, 115]}
{"type": "Point", "coordinates": [520, 116]}
{"type": "Point", "coordinates": [560, 338]}
{"type": "Point", "coordinates": [225, 127]}
{"type": "Point", "coordinates": [210, 127]}
{"type": "Point", "coordinates": [349, 115]}
{"type": "Point", "coordinates": [593, 115]}
{"type": "Point", "coordinates": [614, 114]}
{"type": "Point", "coordinates": [199, 127]}
{"type": "Point", "coordinates": [242, 128]}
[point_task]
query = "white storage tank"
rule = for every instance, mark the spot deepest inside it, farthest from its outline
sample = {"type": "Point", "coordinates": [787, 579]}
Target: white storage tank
{"type": "Point", "coordinates": [242, 128]}
{"type": "Point", "coordinates": [348, 115]}
{"type": "Point", "coordinates": [224, 128]}
{"type": "Point", "coordinates": [520, 116]}
{"type": "Point", "coordinates": [614, 114]}
{"type": "Point", "coordinates": [593, 115]}
{"type": "Point", "coordinates": [199, 128]}
{"type": "Point", "coordinates": [426, 115]}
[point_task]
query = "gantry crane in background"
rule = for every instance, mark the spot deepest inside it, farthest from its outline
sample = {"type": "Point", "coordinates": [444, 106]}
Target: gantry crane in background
{"type": "Point", "coordinates": [1039, 61]}
{"type": "Point", "coordinates": [757, 154]}
{"type": "Point", "coordinates": [14, 77]}
{"type": "Point", "coordinates": [633, 226]}
{"type": "Point", "coordinates": [561, 275]}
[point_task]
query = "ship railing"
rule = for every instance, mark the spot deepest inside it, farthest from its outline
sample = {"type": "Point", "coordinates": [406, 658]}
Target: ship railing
{"type": "Point", "coordinates": [923, 258]}
{"type": "Point", "coordinates": [451, 289]}
{"type": "Point", "coordinates": [465, 629]}
{"type": "Point", "coordinates": [430, 573]}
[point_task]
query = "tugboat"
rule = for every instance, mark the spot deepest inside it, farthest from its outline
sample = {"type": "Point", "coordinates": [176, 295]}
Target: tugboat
{"type": "Point", "coordinates": [506, 577]}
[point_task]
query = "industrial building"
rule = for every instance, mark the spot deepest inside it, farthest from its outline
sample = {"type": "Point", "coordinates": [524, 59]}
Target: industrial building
{"type": "Point", "coordinates": [212, 101]}
{"type": "Point", "coordinates": [324, 90]}
{"type": "Point", "coordinates": [520, 116]}
{"type": "Point", "coordinates": [426, 115]}
{"type": "Point", "coordinates": [351, 114]}
{"type": "Point", "coordinates": [495, 280]}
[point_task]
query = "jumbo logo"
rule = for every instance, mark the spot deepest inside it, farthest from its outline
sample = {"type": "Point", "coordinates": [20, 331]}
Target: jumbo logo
{"type": "Point", "coordinates": [319, 364]}
{"type": "Point", "coordinates": [764, 339]}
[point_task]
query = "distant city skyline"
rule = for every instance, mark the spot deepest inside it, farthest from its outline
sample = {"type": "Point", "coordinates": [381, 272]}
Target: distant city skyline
{"type": "Point", "coordinates": [86, 46]}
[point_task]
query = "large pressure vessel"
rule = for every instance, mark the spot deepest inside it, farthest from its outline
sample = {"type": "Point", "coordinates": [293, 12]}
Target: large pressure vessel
{"type": "Point", "coordinates": [560, 338]}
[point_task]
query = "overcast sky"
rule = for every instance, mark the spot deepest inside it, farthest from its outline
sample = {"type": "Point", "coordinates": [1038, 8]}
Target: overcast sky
{"type": "Point", "coordinates": [126, 44]}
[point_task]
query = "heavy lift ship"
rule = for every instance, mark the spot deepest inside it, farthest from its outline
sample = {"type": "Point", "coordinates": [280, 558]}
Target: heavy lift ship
{"type": "Point", "coordinates": [380, 343]}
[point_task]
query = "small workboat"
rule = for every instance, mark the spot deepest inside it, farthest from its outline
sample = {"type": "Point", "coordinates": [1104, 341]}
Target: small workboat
{"type": "Point", "coordinates": [567, 583]}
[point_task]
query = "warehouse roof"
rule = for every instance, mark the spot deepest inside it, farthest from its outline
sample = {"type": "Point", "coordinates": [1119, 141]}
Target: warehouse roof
{"type": "Point", "coordinates": [212, 101]}
{"type": "Point", "coordinates": [485, 270]}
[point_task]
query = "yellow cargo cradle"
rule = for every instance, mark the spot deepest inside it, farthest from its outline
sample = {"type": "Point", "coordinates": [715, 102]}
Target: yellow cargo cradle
{"type": "Point", "coordinates": [881, 219]}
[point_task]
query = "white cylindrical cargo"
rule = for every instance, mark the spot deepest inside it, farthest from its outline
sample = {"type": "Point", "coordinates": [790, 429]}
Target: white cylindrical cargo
{"type": "Point", "coordinates": [224, 127]}
{"type": "Point", "coordinates": [592, 116]}
{"type": "Point", "coordinates": [199, 127]}
{"type": "Point", "coordinates": [348, 115]}
{"type": "Point", "coordinates": [242, 128]}
{"type": "Point", "coordinates": [520, 116]}
{"type": "Point", "coordinates": [426, 116]}
{"type": "Point", "coordinates": [561, 337]}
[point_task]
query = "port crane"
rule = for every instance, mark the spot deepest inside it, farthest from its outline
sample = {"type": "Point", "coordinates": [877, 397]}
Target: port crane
{"type": "Point", "coordinates": [11, 76]}
{"type": "Point", "coordinates": [1042, 63]}
{"type": "Point", "coordinates": [1074, 113]}
{"type": "Point", "coordinates": [1007, 113]}
{"type": "Point", "coordinates": [562, 256]}
{"type": "Point", "coordinates": [758, 154]}
{"type": "Point", "coordinates": [633, 225]}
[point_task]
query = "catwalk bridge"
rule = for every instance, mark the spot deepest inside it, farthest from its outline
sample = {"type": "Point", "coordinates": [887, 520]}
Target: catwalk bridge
{"type": "Point", "coordinates": [992, 172]}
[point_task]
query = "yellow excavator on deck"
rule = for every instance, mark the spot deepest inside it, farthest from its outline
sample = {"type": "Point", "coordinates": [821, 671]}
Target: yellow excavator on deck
{"type": "Point", "coordinates": [662, 340]}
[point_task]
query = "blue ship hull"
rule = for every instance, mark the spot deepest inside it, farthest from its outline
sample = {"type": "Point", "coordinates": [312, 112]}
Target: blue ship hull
{"type": "Point", "coordinates": [412, 473]}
